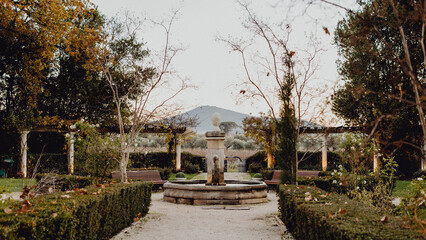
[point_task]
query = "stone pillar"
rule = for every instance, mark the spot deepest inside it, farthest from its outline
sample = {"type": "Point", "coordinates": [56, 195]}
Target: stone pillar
{"type": "Point", "coordinates": [215, 154]}
{"type": "Point", "coordinates": [178, 154]}
{"type": "Point", "coordinates": [324, 152]}
{"type": "Point", "coordinates": [376, 162]}
{"type": "Point", "coordinates": [24, 146]}
{"type": "Point", "coordinates": [70, 154]}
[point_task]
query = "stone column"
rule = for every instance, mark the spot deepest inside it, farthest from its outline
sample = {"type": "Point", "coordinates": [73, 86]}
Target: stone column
{"type": "Point", "coordinates": [215, 154]}
{"type": "Point", "coordinates": [70, 154]}
{"type": "Point", "coordinates": [324, 152]}
{"type": "Point", "coordinates": [376, 162]}
{"type": "Point", "coordinates": [24, 146]}
{"type": "Point", "coordinates": [178, 154]}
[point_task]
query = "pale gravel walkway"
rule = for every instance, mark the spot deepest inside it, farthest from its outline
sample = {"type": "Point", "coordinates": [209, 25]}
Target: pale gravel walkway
{"type": "Point", "coordinates": [185, 222]}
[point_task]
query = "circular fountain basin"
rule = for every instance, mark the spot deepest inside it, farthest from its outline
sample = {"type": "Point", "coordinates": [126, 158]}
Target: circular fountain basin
{"type": "Point", "coordinates": [195, 192]}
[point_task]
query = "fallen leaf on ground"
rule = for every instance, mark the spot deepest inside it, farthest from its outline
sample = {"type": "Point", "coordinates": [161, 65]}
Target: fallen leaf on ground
{"type": "Point", "coordinates": [24, 209]}
{"type": "Point", "coordinates": [384, 219]}
{"type": "Point", "coordinates": [54, 215]}
{"type": "Point", "coordinates": [65, 196]}
{"type": "Point", "coordinates": [342, 211]}
{"type": "Point", "coordinates": [8, 210]}
{"type": "Point", "coordinates": [26, 202]}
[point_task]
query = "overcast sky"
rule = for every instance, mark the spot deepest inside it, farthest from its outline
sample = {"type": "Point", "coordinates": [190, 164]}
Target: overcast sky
{"type": "Point", "coordinates": [207, 62]}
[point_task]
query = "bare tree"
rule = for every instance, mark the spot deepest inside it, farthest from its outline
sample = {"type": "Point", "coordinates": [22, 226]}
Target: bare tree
{"type": "Point", "coordinates": [267, 67]}
{"type": "Point", "coordinates": [153, 84]}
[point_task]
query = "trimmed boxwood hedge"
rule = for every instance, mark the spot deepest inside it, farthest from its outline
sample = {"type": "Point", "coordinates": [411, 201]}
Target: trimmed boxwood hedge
{"type": "Point", "coordinates": [81, 216]}
{"type": "Point", "coordinates": [334, 216]}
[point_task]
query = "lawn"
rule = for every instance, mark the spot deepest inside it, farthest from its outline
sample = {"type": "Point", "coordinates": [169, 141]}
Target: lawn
{"type": "Point", "coordinates": [15, 184]}
{"type": "Point", "coordinates": [401, 188]}
{"type": "Point", "coordinates": [187, 175]}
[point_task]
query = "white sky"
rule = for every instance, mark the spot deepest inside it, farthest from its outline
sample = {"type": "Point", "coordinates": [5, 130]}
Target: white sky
{"type": "Point", "coordinates": [208, 63]}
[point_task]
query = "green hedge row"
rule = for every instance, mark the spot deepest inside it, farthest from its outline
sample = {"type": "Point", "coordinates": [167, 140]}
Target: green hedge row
{"type": "Point", "coordinates": [311, 213]}
{"type": "Point", "coordinates": [99, 214]}
{"type": "Point", "coordinates": [162, 160]}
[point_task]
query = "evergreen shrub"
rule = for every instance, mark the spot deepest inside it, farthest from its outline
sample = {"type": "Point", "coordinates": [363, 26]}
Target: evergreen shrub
{"type": "Point", "coordinates": [310, 213]}
{"type": "Point", "coordinates": [98, 212]}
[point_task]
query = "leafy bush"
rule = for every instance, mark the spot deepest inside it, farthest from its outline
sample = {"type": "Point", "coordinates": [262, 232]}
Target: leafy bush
{"type": "Point", "coordinates": [255, 167]}
{"type": "Point", "coordinates": [259, 157]}
{"type": "Point", "coordinates": [164, 173]}
{"type": "Point", "coordinates": [191, 168]}
{"type": "Point", "coordinates": [413, 206]}
{"type": "Point", "coordinates": [267, 173]}
{"type": "Point", "coordinates": [98, 212]}
{"type": "Point", "coordinates": [180, 175]}
{"type": "Point", "coordinates": [310, 213]}
{"type": "Point", "coordinates": [257, 175]}
{"type": "Point", "coordinates": [151, 160]}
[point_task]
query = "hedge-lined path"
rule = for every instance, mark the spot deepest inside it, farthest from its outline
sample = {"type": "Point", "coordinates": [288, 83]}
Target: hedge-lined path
{"type": "Point", "coordinates": [177, 221]}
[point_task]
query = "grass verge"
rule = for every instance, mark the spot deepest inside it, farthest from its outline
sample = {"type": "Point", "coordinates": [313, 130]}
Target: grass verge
{"type": "Point", "coordinates": [401, 188]}
{"type": "Point", "coordinates": [187, 175]}
{"type": "Point", "coordinates": [15, 184]}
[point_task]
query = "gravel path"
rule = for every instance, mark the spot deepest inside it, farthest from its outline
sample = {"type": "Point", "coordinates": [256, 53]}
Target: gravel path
{"type": "Point", "coordinates": [177, 221]}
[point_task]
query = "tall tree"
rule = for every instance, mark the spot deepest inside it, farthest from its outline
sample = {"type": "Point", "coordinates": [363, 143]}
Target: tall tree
{"type": "Point", "coordinates": [383, 57]}
{"type": "Point", "coordinates": [30, 33]}
{"type": "Point", "coordinates": [74, 89]}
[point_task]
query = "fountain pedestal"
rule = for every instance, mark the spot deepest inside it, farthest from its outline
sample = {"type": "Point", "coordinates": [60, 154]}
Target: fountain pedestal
{"type": "Point", "coordinates": [215, 158]}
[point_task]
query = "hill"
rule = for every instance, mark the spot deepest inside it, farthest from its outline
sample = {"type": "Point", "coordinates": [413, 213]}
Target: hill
{"type": "Point", "coordinates": [204, 114]}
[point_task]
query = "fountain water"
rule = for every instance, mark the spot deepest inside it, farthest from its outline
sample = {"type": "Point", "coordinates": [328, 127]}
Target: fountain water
{"type": "Point", "coordinates": [215, 190]}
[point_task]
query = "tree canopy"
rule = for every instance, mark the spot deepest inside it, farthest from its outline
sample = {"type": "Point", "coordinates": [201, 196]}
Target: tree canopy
{"type": "Point", "coordinates": [35, 36]}
{"type": "Point", "coordinates": [377, 90]}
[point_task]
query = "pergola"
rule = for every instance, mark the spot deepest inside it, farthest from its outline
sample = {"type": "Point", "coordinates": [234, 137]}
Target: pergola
{"type": "Point", "coordinates": [327, 130]}
{"type": "Point", "coordinates": [70, 150]}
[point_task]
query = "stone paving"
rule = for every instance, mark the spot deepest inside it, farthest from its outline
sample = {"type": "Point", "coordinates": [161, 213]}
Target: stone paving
{"type": "Point", "coordinates": [177, 221]}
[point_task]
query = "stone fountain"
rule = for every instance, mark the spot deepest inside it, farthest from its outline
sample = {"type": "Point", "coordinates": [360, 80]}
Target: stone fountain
{"type": "Point", "coordinates": [215, 190]}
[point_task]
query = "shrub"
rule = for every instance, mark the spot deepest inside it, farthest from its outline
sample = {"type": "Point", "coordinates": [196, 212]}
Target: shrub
{"type": "Point", "coordinates": [257, 175]}
{"type": "Point", "coordinates": [180, 175]}
{"type": "Point", "coordinates": [412, 206]}
{"type": "Point", "coordinates": [255, 167]}
{"type": "Point", "coordinates": [259, 158]}
{"type": "Point", "coordinates": [191, 168]}
{"type": "Point", "coordinates": [164, 173]}
{"type": "Point", "coordinates": [267, 173]}
{"type": "Point", "coordinates": [310, 213]}
{"type": "Point", "coordinates": [92, 213]}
